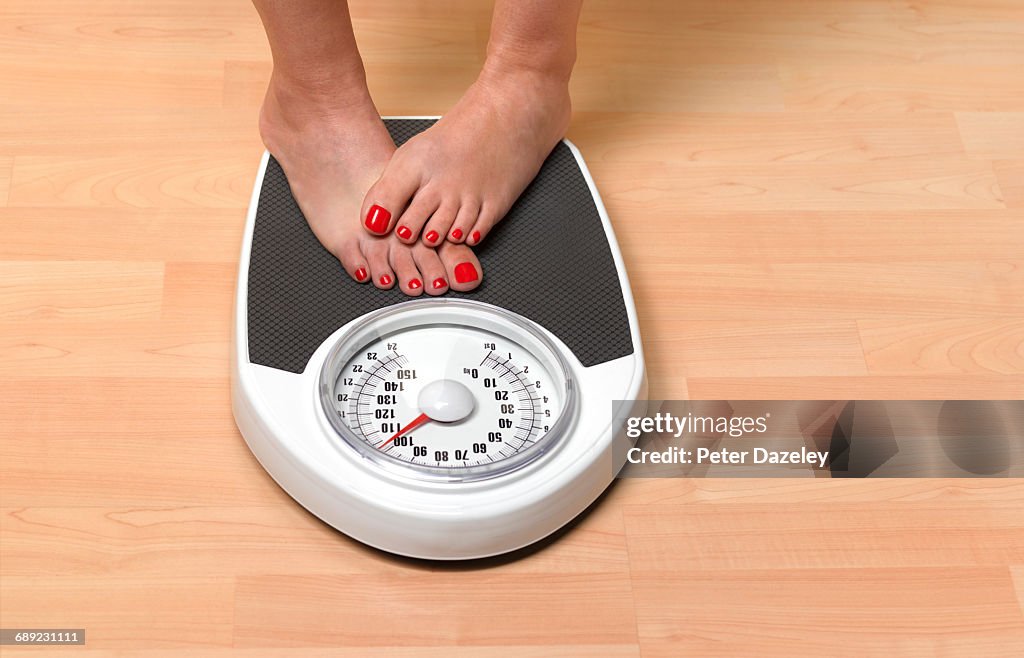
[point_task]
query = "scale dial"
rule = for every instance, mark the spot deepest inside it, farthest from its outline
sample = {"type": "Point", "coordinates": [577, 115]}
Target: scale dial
{"type": "Point", "coordinates": [447, 389]}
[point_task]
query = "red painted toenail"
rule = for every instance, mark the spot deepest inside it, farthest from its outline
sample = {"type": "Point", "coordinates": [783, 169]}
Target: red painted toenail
{"type": "Point", "coordinates": [457, 234]}
{"type": "Point", "coordinates": [475, 237]}
{"type": "Point", "coordinates": [465, 272]}
{"type": "Point", "coordinates": [415, 284]}
{"type": "Point", "coordinates": [378, 219]}
{"type": "Point", "coordinates": [404, 232]}
{"type": "Point", "coordinates": [385, 280]}
{"type": "Point", "coordinates": [360, 274]}
{"type": "Point", "coordinates": [432, 236]}
{"type": "Point", "coordinates": [439, 283]}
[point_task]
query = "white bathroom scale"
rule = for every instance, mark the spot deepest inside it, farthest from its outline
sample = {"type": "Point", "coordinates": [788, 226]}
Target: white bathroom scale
{"type": "Point", "coordinates": [452, 427]}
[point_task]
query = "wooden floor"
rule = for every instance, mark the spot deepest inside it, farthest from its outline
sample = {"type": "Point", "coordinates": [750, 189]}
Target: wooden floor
{"type": "Point", "coordinates": [815, 199]}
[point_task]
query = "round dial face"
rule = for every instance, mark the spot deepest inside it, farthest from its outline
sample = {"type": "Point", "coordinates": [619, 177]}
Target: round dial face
{"type": "Point", "coordinates": [449, 389]}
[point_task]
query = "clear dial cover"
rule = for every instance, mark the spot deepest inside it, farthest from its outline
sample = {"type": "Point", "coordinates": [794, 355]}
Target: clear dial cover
{"type": "Point", "coordinates": [447, 389]}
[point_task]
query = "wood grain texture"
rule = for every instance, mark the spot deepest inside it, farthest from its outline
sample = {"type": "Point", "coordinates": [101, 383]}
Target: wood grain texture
{"type": "Point", "coordinates": [815, 200]}
{"type": "Point", "coordinates": [992, 135]}
{"type": "Point", "coordinates": [1010, 174]}
{"type": "Point", "coordinates": [6, 164]}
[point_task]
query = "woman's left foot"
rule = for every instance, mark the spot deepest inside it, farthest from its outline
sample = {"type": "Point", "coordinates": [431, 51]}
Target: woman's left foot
{"type": "Point", "coordinates": [456, 180]}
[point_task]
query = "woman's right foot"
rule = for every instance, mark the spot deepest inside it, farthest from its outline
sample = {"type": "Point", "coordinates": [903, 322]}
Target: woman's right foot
{"type": "Point", "coordinates": [457, 179]}
{"type": "Point", "coordinates": [332, 149]}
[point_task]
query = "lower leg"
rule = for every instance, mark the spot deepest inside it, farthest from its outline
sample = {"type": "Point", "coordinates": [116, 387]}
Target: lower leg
{"type": "Point", "coordinates": [318, 74]}
{"type": "Point", "coordinates": [314, 48]}
{"type": "Point", "coordinates": [534, 35]}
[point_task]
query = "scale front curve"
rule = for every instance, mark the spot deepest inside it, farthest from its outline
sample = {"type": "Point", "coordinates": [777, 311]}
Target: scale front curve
{"type": "Point", "coordinates": [455, 427]}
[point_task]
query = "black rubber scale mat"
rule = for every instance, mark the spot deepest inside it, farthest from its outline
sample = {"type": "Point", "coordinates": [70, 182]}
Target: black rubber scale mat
{"type": "Point", "coordinates": [548, 260]}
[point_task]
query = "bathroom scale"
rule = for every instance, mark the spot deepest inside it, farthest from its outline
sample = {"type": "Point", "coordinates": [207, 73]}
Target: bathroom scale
{"type": "Point", "coordinates": [453, 427]}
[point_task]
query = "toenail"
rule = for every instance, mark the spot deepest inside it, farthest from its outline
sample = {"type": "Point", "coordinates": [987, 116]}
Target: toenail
{"type": "Point", "coordinates": [465, 272]}
{"type": "Point", "coordinates": [432, 236]}
{"type": "Point", "coordinates": [378, 219]}
{"type": "Point", "coordinates": [361, 274]}
{"type": "Point", "coordinates": [439, 283]}
{"type": "Point", "coordinates": [415, 284]}
{"type": "Point", "coordinates": [457, 234]}
{"type": "Point", "coordinates": [385, 280]}
{"type": "Point", "coordinates": [475, 237]}
{"type": "Point", "coordinates": [404, 232]}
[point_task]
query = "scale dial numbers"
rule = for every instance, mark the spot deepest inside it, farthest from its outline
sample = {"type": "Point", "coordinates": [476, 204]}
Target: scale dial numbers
{"type": "Point", "coordinates": [447, 399]}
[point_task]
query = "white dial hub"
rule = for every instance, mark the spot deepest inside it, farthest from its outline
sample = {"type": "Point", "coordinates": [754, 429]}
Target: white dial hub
{"type": "Point", "coordinates": [446, 401]}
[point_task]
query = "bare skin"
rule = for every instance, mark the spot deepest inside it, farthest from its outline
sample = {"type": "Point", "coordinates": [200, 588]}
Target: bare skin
{"type": "Point", "coordinates": [319, 122]}
{"type": "Point", "coordinates": [456, 180]}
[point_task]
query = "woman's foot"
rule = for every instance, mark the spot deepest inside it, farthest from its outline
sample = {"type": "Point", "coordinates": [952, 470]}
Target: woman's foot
{"type": "Point", "coordinates": [332, 149]}
{"type": "Point", "coordinates": [456, 180]}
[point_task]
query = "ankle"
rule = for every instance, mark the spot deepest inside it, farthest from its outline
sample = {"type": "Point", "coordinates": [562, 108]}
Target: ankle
{"type": "Point", "coordinates": [538, 96]}
{"type": "Point", "coordinates": [498, 73]}
{"type": "Point", "coordinates": [297, 104]}
{"type": "Point", "coordinates": [548, 65]}
{"type": "Point", "coordinates": [327, 91]}
{"type": "Point", "coordinates": [539, 87]}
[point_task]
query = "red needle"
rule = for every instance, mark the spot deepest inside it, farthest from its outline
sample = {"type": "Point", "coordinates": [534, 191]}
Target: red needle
{"type": "Point", "coordinates": [419, 420]}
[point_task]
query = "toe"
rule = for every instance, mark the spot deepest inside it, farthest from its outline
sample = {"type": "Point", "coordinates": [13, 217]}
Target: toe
{"type": "Point", "coordinates": [409, 278]}
{"type": "Point", "coordinates": [387, 198]}
{"type": "Point", "coordinates": [435, 276]}
{"type": "Point", "coordinates": [423, 205]}
{"type": "Point", "coordinates": [464, 271]}
{"type": "Point", "coordinates": [439, 223]}
{"type": "Point", "coordinates": [464, 221]}
{"type": "Point", "coordinates": [485, 221]}
{"type": "Point", "coordinates": [351, 256]}
{"type": "Point", "coordinates": [377, 255]}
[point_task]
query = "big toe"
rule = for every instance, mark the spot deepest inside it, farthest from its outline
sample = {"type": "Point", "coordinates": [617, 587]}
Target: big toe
{"type": "Point", "coordinates": [464, 271]}
{"type": "Point", "coordinates": [388, 198]}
